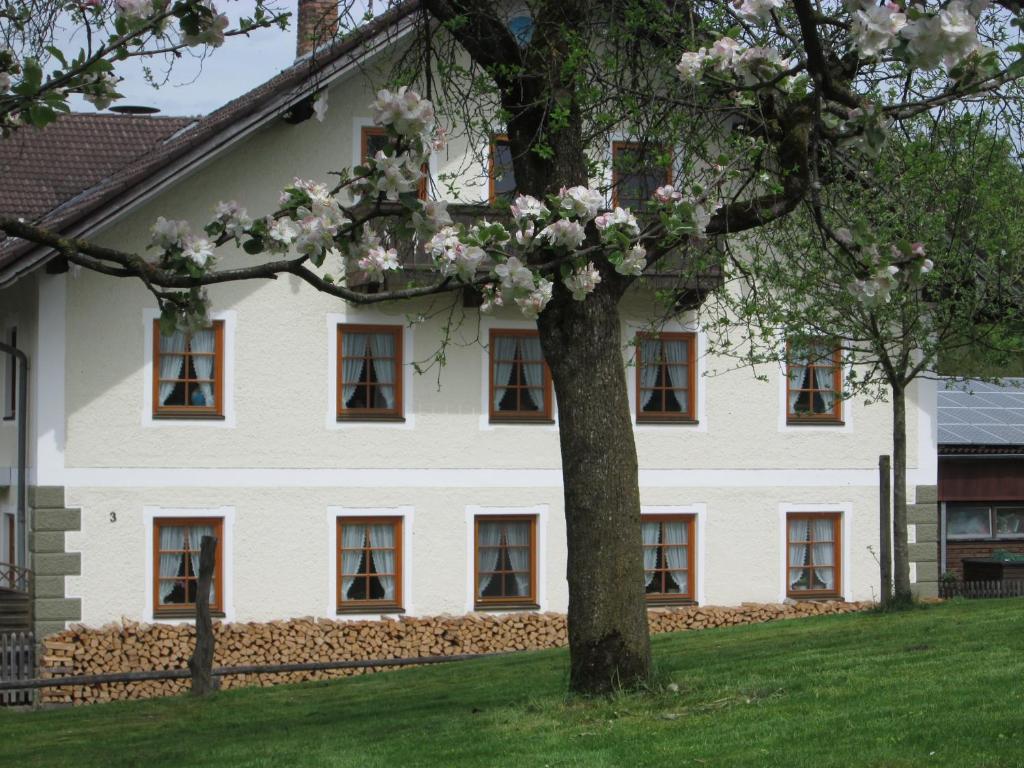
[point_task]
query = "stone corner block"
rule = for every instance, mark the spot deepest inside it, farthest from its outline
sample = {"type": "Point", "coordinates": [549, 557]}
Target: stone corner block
{"type": "Point", "coordinates": [927, 494]}
{"type": "Point", "coordinates": [56, 519]}
{"type": "Point", "coordinates": [46, 496]}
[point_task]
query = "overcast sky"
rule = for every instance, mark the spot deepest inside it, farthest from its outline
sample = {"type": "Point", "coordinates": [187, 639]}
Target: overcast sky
{"type": "Point", "coordinates": [198, 86]}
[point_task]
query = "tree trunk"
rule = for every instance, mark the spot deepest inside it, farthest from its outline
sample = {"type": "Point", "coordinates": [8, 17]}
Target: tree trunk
{"type": "Point", "coordinates": [885, 528]}
{"type": "Point", "coordinates": [901, 560]}
{"type": "Point", "coordinates": [201, 661]}
{"type": "Point", "coordinates": [609, 645]}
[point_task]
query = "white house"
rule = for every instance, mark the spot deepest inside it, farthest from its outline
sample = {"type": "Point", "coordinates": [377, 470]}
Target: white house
{"type": "Point", "coordinates": [338, 481]}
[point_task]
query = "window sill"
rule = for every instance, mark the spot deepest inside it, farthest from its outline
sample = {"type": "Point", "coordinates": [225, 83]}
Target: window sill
{"type": "Point", "coordinates": [506, 607]}
{"type": "Point", "coordinates": [185, 416]}
{"type": "Point", "coordinates": [189, 613]}
{"type": "Point", "coordinates": [810, 422]}
{"type": "Point", "coordinates": [646, 420]}
{"type": "Point", "coordinates": [369, 417]}
{"type": "Point", "coordinates": [523, 420]}
{"type": "Point", "coordinates": [815, 597]}
{"type": "Point", "coordinates": [668, 602]}
{"type": "Point", "coordinates": [362, 610]}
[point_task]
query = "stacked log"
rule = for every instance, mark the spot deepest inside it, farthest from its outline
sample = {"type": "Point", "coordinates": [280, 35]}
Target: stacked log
{"type": "Point", "coordinates": [133, 646]}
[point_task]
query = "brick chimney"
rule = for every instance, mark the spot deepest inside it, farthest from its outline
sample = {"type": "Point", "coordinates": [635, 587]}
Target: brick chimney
{"type": "Point", "coordinates": [317, 25]}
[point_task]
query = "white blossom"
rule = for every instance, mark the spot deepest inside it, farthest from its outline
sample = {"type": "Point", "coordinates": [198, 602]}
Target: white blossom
{"type": "Point", "coordinates": [528, 207]}
{"type": "Point", "coordinates": [533, 304]}
{"type": "Point", "coordinates": [580, 202]}
{"type": "Point", "coordinates": [514, 274]}
{"type": "Point", "coordinates": [690, 65]}
{"type": "Point", "coordinates": [134, 9]}
{"type": "Point", "coordinates": [565, 233]}
{"type": "Point", "coordinates": [633, 262]}
{"type": "Point", "coordinates": [169, 233]}
{"type": "Point", "coordinates": [282, 233]}
{"type": "Point", "coordinates": [667, 194]}
{"type": "Point", "coordinates": [948, 36]}
{"type": "Point", "coordinates": [404, 110]}
{"type": "Point", "coordinates": [759, 11]}
{"type": "Point", "coordinates": [234, 217]}
{"type": "Point", "coordinates": [583, 281]}
{"type": "Point", "coordinates": [723, 51]}
{"type": "Point", "coordinates": [197, 249]}
{"type": "Point", "coordinates": [98, 89]}
{"type": "Point", "coordinates": [876, 27]}
{"type": "Point", "coordinates": [432, 216]}
{"type": "Point", "coordinates": [758, 64]}
{"type": "Point", "coordinates": [619, 217]}
{"type": "Point", "coordinates": [212, 34]}
{"type": "Point", "coordinates": [927, 266]}
{"type": "Point", "coordinates": [315, 236]}
{"type": "Point", "coordinates": [378, 260]}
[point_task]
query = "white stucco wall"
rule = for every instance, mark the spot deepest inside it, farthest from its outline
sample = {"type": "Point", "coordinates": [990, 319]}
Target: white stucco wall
{"type": "Point", "coordinates": [281, 462]}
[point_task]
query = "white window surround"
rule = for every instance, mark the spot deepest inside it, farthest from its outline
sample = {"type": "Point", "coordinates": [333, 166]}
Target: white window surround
{"type": "Point", "coordinates": [846, 510]}
{"type": "Point", "coordinates": [356, 317]}
{"type": "Point", "coordinates": [333, 515]}
{"type": "Point", "coordinates": [539, 511]}
{"type": "Point", "coordinates": [700, 513]}
{"type": "Point", "coordinates": [487, 324]}
{"type": "Point", "coordinates": [700, 358]}
{"type": "Point", "coordinates": [227, 514]}
{"type": "Point", "coordinates": [358, 123]}
{"type": "Point", "coordinates": [847, 409]}
{"type": "Point", "coordinates": [228, 317]}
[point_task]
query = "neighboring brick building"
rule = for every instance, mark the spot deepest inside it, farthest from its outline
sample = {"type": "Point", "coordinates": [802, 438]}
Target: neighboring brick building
{"type": "Point", "coordinates": [981, 471]}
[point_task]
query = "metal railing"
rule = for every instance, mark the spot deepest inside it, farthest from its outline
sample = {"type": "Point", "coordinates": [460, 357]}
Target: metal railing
{"type": "Point", "coordinates": [15, 578]}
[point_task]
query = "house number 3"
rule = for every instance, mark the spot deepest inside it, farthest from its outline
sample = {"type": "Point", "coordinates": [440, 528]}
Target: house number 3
{"type": "Point", "coordinates": [113, 517]}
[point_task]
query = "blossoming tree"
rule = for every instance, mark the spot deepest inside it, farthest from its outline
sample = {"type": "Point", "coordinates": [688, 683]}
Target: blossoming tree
{"type": "Point", "coordinates": [844, 276]}
{"type": "Point", "coordinates": [751, 107]}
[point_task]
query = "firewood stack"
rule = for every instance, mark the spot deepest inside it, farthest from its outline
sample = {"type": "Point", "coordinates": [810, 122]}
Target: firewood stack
{"type": "Point", "coordinates": [133, 646]}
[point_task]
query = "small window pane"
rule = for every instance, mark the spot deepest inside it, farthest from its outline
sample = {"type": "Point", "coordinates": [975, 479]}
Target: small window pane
{"type": "Point", "coordinates": [1010, 522]}
{"type": "Point", "coordinates": [503, 177]}
{"type": "Point", "coordinates": [969, 522]}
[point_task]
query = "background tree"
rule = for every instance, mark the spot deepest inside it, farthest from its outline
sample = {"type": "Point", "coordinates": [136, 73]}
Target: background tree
{"type": "Point", "coordinates": [844, 273]}
{"type": "Point", "coordinates": [771, 100]}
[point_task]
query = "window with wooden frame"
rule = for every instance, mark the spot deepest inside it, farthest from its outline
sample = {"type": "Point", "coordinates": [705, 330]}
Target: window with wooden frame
{"type": "Point", "coordinates": [10, 393]}
{"type": "Point", "coordinates": [374, 139]}
{"type": "Point", "coordinates": [666, 377]}
{"type": "Point", "coordinates": [369, 372]}
{"type": "Point", "coordinates": [520, 381]}
{"type": "Point", "coordinates": [369, 564]}
{"type": "Point", "coordinates": [636, 172]}
{"type": "Point", "coordinates": [669, 546]}
{"type": "Point", "coordinates": [188, 373]}
{"type": "Point", "coordinates": [176, 545]}
{"type": "Point", "coordinates": [505, 574]}
{"type": "Point", "coordinates": [501, 176]}
{"type": "Point", "coordinates": [814, 381]}
{"type": "Point", "coordinates": [982, 521]}
{"type": "Point", "coordinates": [813, 561]}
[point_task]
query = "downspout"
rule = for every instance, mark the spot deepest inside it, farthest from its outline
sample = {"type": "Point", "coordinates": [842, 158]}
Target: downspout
{"type": "Point", "coordinates": [21, 374]}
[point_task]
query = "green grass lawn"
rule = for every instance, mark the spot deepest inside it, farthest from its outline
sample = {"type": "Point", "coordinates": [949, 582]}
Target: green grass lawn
{"type": "Point", "coordinates": [942, 685]}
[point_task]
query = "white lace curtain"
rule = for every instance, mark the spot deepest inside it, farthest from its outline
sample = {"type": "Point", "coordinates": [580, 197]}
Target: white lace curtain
{"type": "Point", "coordinates": [382, 347]}
{"type": "Point", "coordinates": [172, 360]}
{"type": "Point", "coordinates": [353, 350]}
{"type": "Point", "coordinates": [529, 348]}
{"type": "Point", "coordinates": [797, 371]}
{"type": "Point", "coordinates": [825, 382]}
{"type": "Point", "coordinates": [823, 554]}
{"type": "Point", "coordinates": [489, 557]}
{"type": "Point", "coordinates": [676, 541]}
{"type": "Point", "coordinates": [353, 539]}
{"type": "Point", "coordinates": [504, 360]}
{"type": "Point", "coordinates": [204, 342]}
{"type": "Point", "coordinates": [382, 539]}
{"type": "Point", "coordinates": [517, 537]}
{"type": "Point", "coordinates": [799, 532]}
{"type": "Point", "coordinates": [651, 533]}
{"type": "Point", "coordinates": [650, 362]}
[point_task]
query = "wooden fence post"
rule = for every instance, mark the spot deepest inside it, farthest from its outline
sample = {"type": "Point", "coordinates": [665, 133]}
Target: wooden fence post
{"type": "Point", "coordinates": [201, 662]}
{"type": "Point", "coordinates": [885, 528]}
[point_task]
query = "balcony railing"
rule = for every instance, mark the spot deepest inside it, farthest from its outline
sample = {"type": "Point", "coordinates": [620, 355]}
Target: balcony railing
{"type": "Point", "coordinates": [14, 578]}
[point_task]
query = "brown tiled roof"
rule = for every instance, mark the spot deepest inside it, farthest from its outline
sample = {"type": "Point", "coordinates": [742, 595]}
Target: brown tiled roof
{"type": "Point", "coordinates": [43, 168]}
{"type": "Point", "coordinates": [69, 211]}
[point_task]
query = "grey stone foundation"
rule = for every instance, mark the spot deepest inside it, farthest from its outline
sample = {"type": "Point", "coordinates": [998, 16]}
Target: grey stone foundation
{"type": "Point", "coordinates": [924, 515]}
